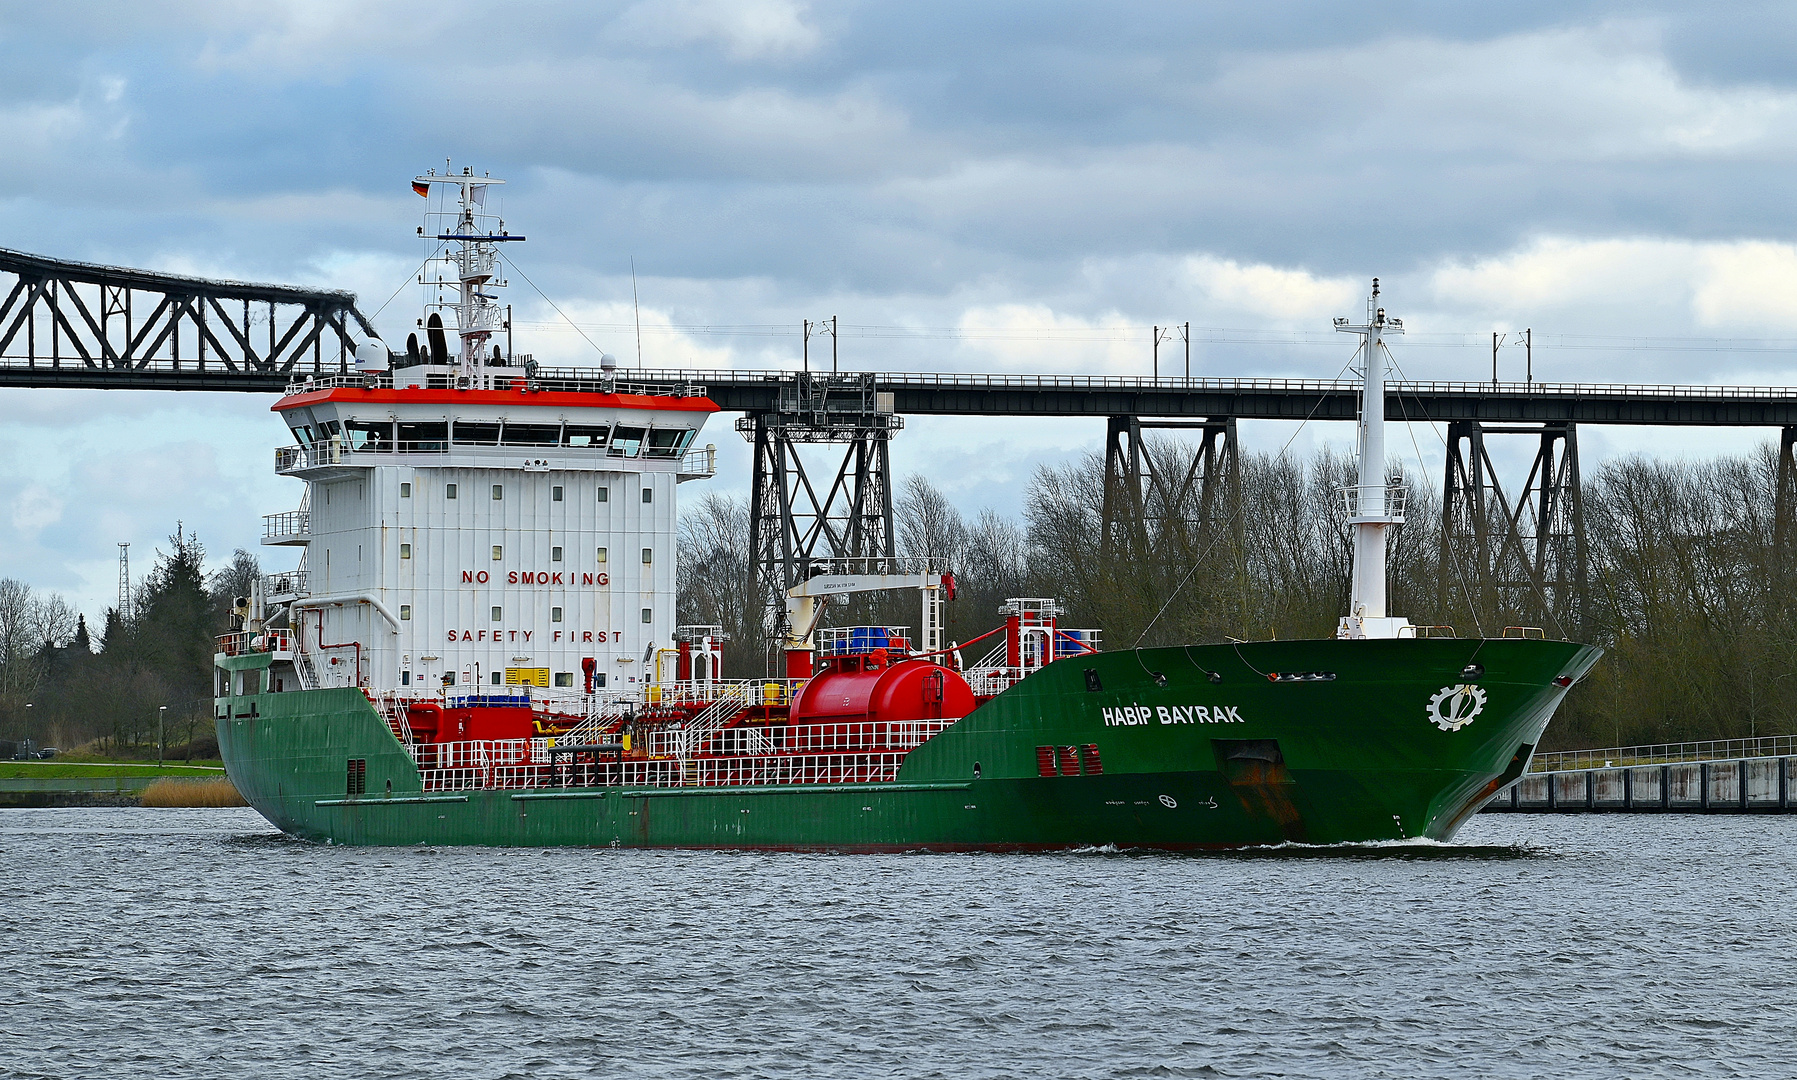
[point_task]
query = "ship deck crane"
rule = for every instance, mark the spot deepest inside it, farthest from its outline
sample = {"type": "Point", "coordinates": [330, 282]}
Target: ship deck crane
{"type": "Point", "coordinates": [805, 601]}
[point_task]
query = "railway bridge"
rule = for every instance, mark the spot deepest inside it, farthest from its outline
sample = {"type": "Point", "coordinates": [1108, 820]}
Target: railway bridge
{"type": "Point", "coordinates": [85, 326]}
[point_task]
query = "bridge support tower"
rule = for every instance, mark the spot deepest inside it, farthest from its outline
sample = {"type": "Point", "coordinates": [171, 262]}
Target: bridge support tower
{"type": "Point", "coordinates": [801, 515]}
{"type": "Point", "coordinates": [1514, 562]}
{"type": "Point", "coordinates": [1171, 506]}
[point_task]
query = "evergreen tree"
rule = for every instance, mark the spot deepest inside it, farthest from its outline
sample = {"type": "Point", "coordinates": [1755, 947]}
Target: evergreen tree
{"type": "Point", "coordinates": [177, 621]}
{"type": "Point", "coordinates": [112, 633]}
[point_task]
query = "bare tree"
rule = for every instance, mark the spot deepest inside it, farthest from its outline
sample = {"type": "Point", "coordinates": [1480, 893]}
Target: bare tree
{"type": "Point", "coordinates": [712, 578]}
{"type": "Point", "coordinates": [51, 621]}
{"type": "Point", "coordinates": [928, 525]}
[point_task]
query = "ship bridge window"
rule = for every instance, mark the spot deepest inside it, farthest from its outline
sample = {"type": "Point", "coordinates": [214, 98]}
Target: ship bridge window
{"type": "Point", "coordinates": [532, 435]}
{"type": "Point", "coordinates": [585, 435]}
{"type": "Point", "coordinates": [468, 433]}
{"type": "Point", "coordinates": [424, 437]}
{"type": "Point", "coordinates": [627, 441]}
{"type": "Point", "coordinates": [667, 442]}
{"type": "Point", "coordinates": [329, 430]}
{"type": "Point", "coordinates": [370, 434]}
{"type": "Point", "coordinates": [303, 433]}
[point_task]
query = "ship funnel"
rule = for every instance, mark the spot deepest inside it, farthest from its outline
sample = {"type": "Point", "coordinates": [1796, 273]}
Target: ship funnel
{"type": "Point", "coordinates": [371, 356]}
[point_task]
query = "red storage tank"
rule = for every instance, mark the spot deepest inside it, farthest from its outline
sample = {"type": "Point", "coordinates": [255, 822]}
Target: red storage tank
{"type": "Point", "coordinates": [867, 687]}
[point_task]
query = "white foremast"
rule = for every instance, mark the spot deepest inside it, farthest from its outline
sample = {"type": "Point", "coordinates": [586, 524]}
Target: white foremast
{"type": "Point", "coordinates": [1373, 504]}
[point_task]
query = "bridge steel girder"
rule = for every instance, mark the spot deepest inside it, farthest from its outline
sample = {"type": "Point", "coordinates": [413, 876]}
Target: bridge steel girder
{"type": "Point", "coordinates": [921, 394]}
{"type": "Point", "coordinates": [1524, 560]}
{"type": "Point", "coordinates": [81, 325]}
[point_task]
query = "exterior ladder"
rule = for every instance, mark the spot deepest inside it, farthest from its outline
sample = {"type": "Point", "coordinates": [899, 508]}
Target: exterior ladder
{"type": "Point", "coordinates": [709, 722]}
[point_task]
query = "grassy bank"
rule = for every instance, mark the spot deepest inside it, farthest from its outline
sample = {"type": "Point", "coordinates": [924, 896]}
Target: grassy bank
{"type": "Point", "coordinates": [114, 783]}
{"type": "Point", "coordinates": [20, 770]}
{"type": "Point", "coordinates": [212, 791]}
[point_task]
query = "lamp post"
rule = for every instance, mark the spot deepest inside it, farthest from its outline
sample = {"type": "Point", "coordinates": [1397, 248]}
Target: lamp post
{"type": "Point", "coordinates": [161, 711]}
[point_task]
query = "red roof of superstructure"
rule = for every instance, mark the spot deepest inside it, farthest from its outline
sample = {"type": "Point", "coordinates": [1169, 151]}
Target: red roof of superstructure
{"type": "Point", "coordinates": [544, 398]}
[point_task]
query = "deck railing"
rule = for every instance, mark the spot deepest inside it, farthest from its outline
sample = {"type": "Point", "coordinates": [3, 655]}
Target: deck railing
{"type": "Point", "coordinates": [751, 739]}
{"type": "Point", "coordinates": [701, 461]}
{"type": "Point", "coordinates": [245, 642]}
{"type": "Point", "coordinates": [286, 583]}
{"type": "Point", "coordinates": [289, 523]}
{"type": "Point", "coordinates": [525, 764]}
{"type": "Point", "coordinates": [559, 380]}
{"type": "Point", "coordinates": [1664, 753]}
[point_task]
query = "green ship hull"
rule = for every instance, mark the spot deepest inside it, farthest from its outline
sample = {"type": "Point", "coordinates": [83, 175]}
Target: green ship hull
{"type": "Point", "coordinates": [1200, 747]}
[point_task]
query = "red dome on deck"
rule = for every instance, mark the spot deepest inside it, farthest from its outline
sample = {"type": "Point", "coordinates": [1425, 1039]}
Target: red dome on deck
{"type": "Point", "coordinates": [865, 687]}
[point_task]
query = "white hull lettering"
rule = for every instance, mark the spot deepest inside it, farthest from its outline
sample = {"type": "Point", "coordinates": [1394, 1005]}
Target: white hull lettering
{"type": "Point", "coordinates": [1135, 715]}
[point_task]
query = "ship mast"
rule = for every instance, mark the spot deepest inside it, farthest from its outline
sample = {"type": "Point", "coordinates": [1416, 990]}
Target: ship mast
{"type": "Point", "coordinates": [1373, 505]}
{"type": "Point", "coordinates": [475, 263]}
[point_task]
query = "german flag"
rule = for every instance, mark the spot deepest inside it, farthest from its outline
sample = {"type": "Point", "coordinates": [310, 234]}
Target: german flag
{"type": "Point", "coordinates": [423, 189]}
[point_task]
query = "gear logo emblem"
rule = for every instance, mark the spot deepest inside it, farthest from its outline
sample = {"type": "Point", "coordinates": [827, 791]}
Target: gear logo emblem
{"type": "Point", "coordinates": [1454, 707]}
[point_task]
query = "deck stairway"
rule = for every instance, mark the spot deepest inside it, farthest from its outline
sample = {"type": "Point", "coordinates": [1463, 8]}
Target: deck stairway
{"type": "Point", "coordinates": [602, 719]}
{"type": "Point", "coordinates": [712, 720]}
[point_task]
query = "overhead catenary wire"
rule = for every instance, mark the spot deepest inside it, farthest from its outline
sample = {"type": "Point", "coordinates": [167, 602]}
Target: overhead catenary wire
{"type": "Point", "coordinates": [551, 303]}
{"type": "Point", "coordinates": [1240, 509]}
{"type": "Point", "coordinates": [1128, 333]}
{"type": "Point", "coordinates": [1540, 593]}
{"type": "Point", "coordinates": [1410, 428]}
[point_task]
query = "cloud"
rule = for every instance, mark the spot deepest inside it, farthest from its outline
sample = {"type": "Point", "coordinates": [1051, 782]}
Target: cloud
{"type": "Point", "coordinates": [747, 29]}
{"type": "Point", "coordinates": [1049, 180]}
{"type": "Point", "coordinates": [1651, 284]}
{"type": "Point", "coordinates": [609, 326]}
{"type": "Point", "coordinates": [1027, 337]}
{"type": "Point", "coordinates": [1602, 92]}
{"type": "Point", "coordinates": [34, 508]}
{"type": "Point", "coordinates": [1268, 293]}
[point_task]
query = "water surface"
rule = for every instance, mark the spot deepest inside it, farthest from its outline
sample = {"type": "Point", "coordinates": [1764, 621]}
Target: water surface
{"type": "Point", "coordinates": [203, 943]}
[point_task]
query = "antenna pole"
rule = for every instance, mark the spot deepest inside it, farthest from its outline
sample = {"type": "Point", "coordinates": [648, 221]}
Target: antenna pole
{"type": "Point", "coordinates": [805, 345]}
{"type": "Point", "coordinates": [1188, 336]}
{"type": "Point", "coordinates": [637, 308]}
{"type": "Point", "coordinates": [1528, 352]}
{"type": "Point", "coordinates": [1494, 340]}
{"type": "Point", "coordinates": [833, 345]}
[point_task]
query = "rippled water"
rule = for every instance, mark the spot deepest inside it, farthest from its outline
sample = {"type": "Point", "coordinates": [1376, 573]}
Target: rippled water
{"type": "Point", "coordinates": [202, 943]}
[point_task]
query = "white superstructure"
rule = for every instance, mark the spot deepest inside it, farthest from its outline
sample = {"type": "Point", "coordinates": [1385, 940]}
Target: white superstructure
{"type": "Point", "coordinates": [472, 520]}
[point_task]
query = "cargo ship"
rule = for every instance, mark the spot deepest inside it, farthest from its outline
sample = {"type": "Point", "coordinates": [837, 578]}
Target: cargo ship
{"type": "Point", "coordinates": [481, 646]}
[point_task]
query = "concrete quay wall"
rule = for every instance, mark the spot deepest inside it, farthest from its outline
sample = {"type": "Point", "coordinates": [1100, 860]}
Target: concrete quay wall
{"type": "Point", "coordinates": [1765, 785]}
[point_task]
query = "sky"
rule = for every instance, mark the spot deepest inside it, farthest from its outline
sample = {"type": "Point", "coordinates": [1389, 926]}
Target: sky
{"type": "Point", "coordinates": [1019, 187]}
